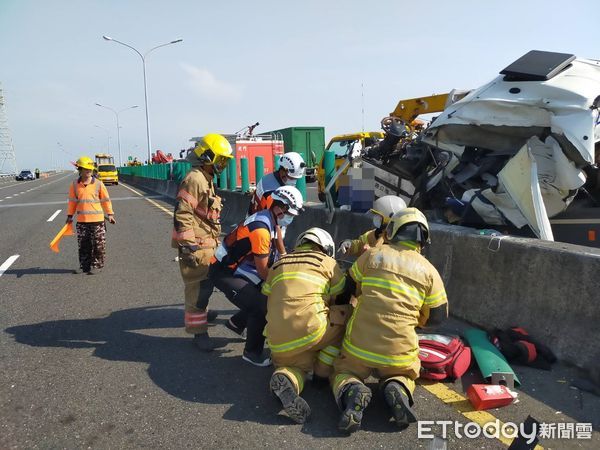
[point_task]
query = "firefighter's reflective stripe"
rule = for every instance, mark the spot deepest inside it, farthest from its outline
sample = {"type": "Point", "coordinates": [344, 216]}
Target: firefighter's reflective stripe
{"type": "Point", "coordinates": [338, 288]}
{"type": "Point", "coordinates": [195, 319]}
{"type": "Point", "coordinates": [328, 355]}
{"type": "Point", "coordinates": [387, 360]}
{"type": "Point", "coordinates": [320, 282]}
{"type": "Point", "coordinates": [394, 287]}
{"type": "Point", "coordinates": [364, 238]}
{"type": "Point", "coordinates": [436, 299]}
{"type": "Point", "coordinates": [356, 273]}
{"type": "Point", "coordinates": [301, 342]}
{"type": "Point", "coordinates": [185, 195]}
{"type": "Point", "coordinates": [184, 235]}
{"type": "Point", "coordinates": [410, 244]}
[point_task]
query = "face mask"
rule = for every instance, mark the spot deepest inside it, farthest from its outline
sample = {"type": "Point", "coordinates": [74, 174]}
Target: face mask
{"type": "Point", "coordinates": [377, 221]}
{"type": "Point", "coordinates": [285, 221]}
{"type": "Point", "coordinates": [290, 182]}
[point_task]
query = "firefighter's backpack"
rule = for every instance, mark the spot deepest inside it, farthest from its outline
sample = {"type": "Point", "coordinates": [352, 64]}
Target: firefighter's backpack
{"type": "Point", "coordinates": [443, 356]}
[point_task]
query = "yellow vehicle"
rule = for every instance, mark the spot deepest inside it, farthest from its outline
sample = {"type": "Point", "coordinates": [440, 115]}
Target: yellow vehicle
{"type": "Point", "coordinates": [105, 169]}
{"type": "Point", "coordinates": [340, 144]}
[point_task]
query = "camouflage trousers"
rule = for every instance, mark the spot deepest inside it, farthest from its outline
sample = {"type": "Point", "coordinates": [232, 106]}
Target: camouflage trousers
{"type": "Point", "coordinates": [91, 238]}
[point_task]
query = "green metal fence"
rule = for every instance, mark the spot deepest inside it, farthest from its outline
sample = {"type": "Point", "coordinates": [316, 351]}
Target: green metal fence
{"type": "Point", "coordinates": [159, 171]}
{"type": "Point", "coordinates": [178, 170]}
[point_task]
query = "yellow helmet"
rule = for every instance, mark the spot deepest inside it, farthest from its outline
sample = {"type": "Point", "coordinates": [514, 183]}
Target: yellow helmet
{"type": "Point", "coordinates": [214, 150]}
{"type": "Point", "coordinates": [85, 162]}
{"type": "Point", "coordinates": [410, 224]}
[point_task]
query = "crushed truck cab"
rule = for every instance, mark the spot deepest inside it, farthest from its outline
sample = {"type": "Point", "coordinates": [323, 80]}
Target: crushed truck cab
{"type": "Point", "coordinates": [340, 145]}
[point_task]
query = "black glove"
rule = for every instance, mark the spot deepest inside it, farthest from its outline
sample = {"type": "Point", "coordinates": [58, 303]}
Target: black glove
{"type": "Point", "coordinates": [188, 258]}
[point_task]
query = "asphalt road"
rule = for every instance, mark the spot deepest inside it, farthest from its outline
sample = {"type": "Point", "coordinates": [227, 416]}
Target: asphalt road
{"type": "Point", "coordinates": [102, 361]}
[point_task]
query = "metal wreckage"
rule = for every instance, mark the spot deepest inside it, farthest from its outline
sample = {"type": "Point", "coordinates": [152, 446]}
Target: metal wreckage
{"type": "Point", "coordinates": [510, 155]}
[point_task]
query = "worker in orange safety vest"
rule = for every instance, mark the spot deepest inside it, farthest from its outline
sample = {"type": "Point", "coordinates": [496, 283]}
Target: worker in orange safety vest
{"type": "Point", "coordinates": [89, 200]}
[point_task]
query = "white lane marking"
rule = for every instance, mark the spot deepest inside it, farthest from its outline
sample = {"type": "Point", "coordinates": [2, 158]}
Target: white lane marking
{"type": "Point", "coordinates": [62, 202]}
{"type": "Point", "coordinates": [53, 216]}
{"type": "Point", "coordinates": [10, 196]}
{"type": "Point", "coordinates": [41, 184]}
{"type": "Point", "coordinates": [4, 267]}
{"type": "Point", "coordinates": [151, 201]}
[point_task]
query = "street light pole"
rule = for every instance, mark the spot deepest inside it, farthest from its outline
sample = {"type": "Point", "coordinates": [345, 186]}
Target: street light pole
{"type": "Point", "coordinates": [118, 126]}
{"type": "Point", "coordinates": [108, 136]}
{"type": "Point", "coordinates": [143, 57]}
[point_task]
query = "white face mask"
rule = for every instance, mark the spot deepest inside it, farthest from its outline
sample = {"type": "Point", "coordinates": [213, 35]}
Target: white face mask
{"type": "Point", "coordinates": [291, 182]}
{"type": "Point", "coordinates": [377, 221]}
{"type": "Point", "coordinates": [285, 221]}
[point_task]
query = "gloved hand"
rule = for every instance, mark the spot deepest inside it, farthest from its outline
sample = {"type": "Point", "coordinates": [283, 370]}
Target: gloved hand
{"type": "Point", "coordinates": [345, 246]}
{"type": "Point", "coordinates": [186, 255]}
{"type": "Point", "coordinates": [189, 259]}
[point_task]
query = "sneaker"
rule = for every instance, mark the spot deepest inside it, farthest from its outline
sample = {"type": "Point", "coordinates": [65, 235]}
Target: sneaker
{"type": "Point", "coordinates": [92, 272]}
{"type": "Point", "coordinates": [79, 271]}
{"type": "Point", "coordinates": [262, 359]}
{"type": "Point", "coordinates": [294, 405]}
{"type": "Point", "coordinates": [241, 332]}
{"type": "Point", "coordinates": [397, 399]}
{"type": "Point", "coordinates": [203, 342]}
{"type": "Point", "coordinates": [355, 399]}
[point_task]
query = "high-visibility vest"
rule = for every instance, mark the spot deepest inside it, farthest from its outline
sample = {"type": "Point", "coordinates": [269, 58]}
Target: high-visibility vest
{"type": "Point", "coordinates": [262, 195]}
{"type": "Point", "coordinates": [239, 247]}
{"type": "Point", "coordinates": [89, 202]}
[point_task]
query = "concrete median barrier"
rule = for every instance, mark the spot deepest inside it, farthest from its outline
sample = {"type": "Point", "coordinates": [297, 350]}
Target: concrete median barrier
{"type": "Point", "coordinates": [550, 289]}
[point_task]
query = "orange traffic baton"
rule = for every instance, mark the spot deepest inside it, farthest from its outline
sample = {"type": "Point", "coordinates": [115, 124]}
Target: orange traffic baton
{"type": "Point", "coordinates": [67, 230]}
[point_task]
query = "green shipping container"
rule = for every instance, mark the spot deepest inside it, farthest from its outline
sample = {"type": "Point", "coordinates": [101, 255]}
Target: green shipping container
{"type": "Point", "coordinates": [309, 142]}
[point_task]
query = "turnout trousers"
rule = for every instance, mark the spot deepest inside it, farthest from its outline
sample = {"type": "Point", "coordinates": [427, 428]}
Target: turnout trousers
{"type": "Point", "coordinates": [317, 358]}
{"type": "Point", "coordinates": [197, 291]}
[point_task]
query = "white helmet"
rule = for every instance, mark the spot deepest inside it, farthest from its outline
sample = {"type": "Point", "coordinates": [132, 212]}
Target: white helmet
{"type": "Point", "coordinates": [320, 237]}
{"type": "Point", "coordinates": [291, 197]}
{"type": "Point", "coordinates": [294, 164]}
{"type": "Point", "coordinates": [385, 207]}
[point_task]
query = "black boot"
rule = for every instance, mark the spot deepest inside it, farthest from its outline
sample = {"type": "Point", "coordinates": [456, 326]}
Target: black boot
{"type": "Point", "coordinates": [203, 342]}
{"type": "Point", "coordinates": [399, 402]}
{"type": "Point", "coordinates": [294, 405]}
{"type": "Point", "coordinates": [354, 399]}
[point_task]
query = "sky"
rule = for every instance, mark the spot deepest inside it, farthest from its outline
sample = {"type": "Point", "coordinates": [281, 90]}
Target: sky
{"type": "Point", "coordinates": [337, 64]}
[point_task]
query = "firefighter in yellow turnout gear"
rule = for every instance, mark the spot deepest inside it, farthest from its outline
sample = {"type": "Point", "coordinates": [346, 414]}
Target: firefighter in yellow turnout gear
{"type": "Point", "coordinates": [304, 332]}
{"type": "Point", "coordinates": [196, 231]}
{"type": "Point", "coordinates": [383, 209]}
{"type": "Point", "coordinates": [397, 290]}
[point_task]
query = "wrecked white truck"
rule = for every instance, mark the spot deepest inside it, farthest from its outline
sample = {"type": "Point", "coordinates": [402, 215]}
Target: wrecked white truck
{"type": "Point", "coordinates": [519, 153]}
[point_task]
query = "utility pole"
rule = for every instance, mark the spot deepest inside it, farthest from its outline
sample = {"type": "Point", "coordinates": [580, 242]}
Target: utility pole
{"type": "Point", "coordinates": [8, 161]}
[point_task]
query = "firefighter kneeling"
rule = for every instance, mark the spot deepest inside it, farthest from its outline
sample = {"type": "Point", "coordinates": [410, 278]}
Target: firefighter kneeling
{"type": "Point", "coordinates": [303, 331]}
{"type": "Point", "coordinates": [397, 290]}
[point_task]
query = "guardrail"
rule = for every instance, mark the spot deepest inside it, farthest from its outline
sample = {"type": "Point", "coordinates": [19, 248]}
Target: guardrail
{"type": "Point", "coordinates": [548, 288]}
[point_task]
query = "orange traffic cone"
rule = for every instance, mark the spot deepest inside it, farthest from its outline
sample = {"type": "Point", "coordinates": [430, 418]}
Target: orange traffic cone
{"type": "Point", "coordinates": [67, 230]}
